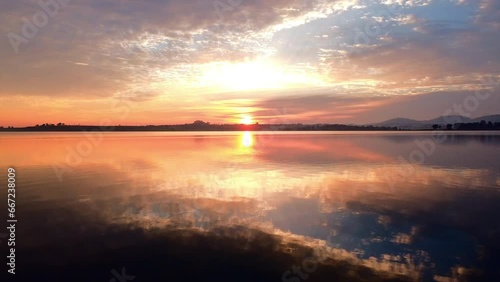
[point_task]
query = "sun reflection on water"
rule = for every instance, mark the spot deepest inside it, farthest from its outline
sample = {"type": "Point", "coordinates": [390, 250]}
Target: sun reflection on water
{"type": "Point", "coordinates": [247, 139]}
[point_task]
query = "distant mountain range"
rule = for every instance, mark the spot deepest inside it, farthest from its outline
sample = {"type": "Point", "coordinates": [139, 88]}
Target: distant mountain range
{"type": "Point", "coordinates": [406, 123]}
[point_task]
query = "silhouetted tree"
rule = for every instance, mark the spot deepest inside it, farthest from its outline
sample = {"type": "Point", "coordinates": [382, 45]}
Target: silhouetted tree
{"type": "Point", "coordinates": [200, 122]}
{"type": "Point", "coordinates": [449, 126]}
{"type": "Point", "coordinates": [435, 126]}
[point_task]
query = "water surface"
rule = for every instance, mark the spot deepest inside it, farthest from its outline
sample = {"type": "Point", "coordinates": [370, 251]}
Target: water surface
{"type": "Point", "coordinates": [411, 204]}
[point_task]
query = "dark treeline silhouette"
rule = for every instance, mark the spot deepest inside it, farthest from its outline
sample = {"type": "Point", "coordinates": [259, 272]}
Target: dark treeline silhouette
{"type": "Point", "coordinates": [201, 126]}
{"type": "Point", "coordinates": [482, 125]}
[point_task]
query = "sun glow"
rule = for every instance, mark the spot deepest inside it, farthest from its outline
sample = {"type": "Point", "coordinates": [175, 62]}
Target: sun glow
{"type": "Point", "coordinates": [246, 120]}
{"type": "Point", "coordinates": [253, 75]}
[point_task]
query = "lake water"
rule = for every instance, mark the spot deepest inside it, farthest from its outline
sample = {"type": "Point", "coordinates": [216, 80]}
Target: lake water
{"type": "Point", "coordinates": [185, 206]}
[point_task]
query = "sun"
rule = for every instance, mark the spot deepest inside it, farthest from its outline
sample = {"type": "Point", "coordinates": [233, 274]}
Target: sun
{"type": "Point", "coordinates": [246, 119]}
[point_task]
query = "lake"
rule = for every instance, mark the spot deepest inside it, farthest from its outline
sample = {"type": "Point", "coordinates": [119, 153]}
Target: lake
{"type": "Point", "coordinates": [255, 206]}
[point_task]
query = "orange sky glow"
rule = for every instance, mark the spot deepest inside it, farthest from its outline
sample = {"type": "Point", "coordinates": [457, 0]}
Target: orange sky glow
{"type": "Point", "coordinates": [171, 62]}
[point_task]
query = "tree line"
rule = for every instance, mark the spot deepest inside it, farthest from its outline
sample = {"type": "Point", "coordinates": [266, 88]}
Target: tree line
{"type": "Point", "coordinates": [482, 125]}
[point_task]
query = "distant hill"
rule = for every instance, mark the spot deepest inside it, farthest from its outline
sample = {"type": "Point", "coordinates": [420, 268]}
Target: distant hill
{"type": "Point", "coordinates": [492, 118]}
{"type": "Point", "coordinates": [405, 123]}
{"type": "Point", "coordinates": [447, 119]}
{"type": "Point", "coordinates": [400, 123]}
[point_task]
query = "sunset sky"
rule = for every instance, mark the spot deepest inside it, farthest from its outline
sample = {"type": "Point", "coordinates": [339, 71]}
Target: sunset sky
{"type": "Point", "coordinates": [226, 61]}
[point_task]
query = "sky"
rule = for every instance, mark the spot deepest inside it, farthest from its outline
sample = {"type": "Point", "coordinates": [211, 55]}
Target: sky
{"type": "Point", "coordinates": [230, 61]}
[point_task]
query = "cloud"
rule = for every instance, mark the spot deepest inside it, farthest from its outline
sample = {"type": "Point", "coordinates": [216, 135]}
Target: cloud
{"type": "Point", "coordinates": [97, 50]}
{"type": "Point", "coordinates": [128, 42]}
{"type": "Point", "coordinates": [435, 51]}
{"type": "Point", "coordinates": [314, 108]}
{"type": "Point", "coordinates": [407, 19]}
